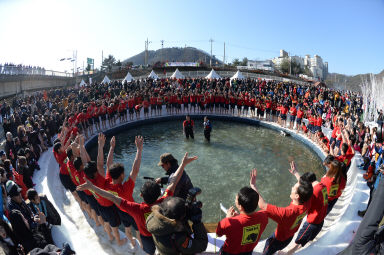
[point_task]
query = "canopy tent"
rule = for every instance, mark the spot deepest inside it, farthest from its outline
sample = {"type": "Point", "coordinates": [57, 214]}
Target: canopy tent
{"type": "Point", "coordinates": [128, 78]}
{"type": "Point", "coordinates": [213, 75]}
{"type": "Point", "coordinates": [153, 75]}
{"type": "Point", "coordinates": [177, 74]}
{"type": "Point", "coordinates": [82, 83]}
{"type": "Point", "coordinates": [106, 80]}
{"type": "Point", "coordinates": [238, 75]}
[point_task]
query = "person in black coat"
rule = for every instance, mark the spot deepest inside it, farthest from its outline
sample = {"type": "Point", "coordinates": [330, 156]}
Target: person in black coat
{"type": "Point", "coordinates": [41, 203]}
{"type": "Point", "coordinates": [170, 165]}
{"type": "Point", "coordinates": [8, 241]}
{"type": "Point", "coordinates": [30, 229]}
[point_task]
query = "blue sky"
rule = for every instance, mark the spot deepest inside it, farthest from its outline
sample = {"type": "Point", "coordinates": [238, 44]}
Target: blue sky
{"type": "Point", "coordinates": [347, 34]}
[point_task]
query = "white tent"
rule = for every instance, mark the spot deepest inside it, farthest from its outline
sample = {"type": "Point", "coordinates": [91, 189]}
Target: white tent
{"type": "Point", "coordinates": [128, 78]}
{"type": "Point", "coordinates": [238, 75]}
{"type": "Point", "coordinates": [106, 80]}
{"type": "Point", "coordinates": [82, 83]}
{"type": "Point", "coordinates": [153, 75]}
{"type": "Point", "coordinates": [177, 74]}
{"type": "Point", "coordinates": [213, 75]}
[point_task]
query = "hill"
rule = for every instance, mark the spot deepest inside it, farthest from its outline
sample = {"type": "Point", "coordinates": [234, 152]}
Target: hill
{"type": "Point", "coordinates": [341, 81]}
{"type": "Point", "coordinates": [187, 54]}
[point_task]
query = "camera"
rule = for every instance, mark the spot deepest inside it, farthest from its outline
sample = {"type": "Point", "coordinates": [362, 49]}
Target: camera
{"type": "Point", "coordinates": [191, 198]}
{"type": "Point", "coordinates": [193, 206]}
{"type": "Point", "coordinates": [164, 180]}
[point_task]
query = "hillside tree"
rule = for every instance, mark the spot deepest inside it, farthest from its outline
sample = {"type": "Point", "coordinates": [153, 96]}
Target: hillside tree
{"type": "Point", "coordinates": [108, 63]}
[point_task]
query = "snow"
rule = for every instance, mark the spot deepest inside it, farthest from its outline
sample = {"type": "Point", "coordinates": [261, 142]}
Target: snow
{"type": "Point", "coordinates": [85, 238]}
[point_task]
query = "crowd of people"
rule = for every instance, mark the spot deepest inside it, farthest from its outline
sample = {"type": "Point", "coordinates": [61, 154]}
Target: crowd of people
{"type": "Point", "coordinates": [105, 194]}
{"type": "Point", "coordinates": [13, 69]}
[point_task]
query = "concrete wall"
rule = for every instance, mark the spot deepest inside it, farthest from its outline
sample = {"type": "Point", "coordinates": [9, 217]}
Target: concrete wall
{"type": "Point", "coordinates": [12, 85]}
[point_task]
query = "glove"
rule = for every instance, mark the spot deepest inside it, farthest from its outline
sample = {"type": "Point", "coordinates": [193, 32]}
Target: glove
{"type": "Point", "coordinates": [195, 215]}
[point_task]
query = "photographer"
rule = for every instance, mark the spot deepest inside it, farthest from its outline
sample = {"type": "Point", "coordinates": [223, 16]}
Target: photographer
{"type": "Point", "coordinates": [171, 234]}
{"type": "Point", "coordinates": [170, 165]}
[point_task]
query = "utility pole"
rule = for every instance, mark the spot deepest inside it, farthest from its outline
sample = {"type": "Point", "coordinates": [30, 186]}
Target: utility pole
{"type": "Point", "coordinates": [210, 62]}
{"type": "Point", "coordinates": [224, 56]}
{"type": "Point", "coordinates": [102, 59]}
{"type": "Point", "coordinates": [290, 63]}
{"type": "Point", "coordinates": [146, 52]}
{"type": "Point", "coordinates": [162, 51]}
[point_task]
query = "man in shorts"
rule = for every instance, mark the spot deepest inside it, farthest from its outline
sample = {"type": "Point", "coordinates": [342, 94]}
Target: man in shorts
{"type": "Point", "coordinates": [316, 213]}
{"type": "Point", "coordinates": [288, 218]}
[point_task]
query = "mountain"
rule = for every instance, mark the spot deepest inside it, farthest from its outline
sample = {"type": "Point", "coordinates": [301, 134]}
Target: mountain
{"type": "Point", "coordinates": [187, 54]}
{"type": "Point", "coordinates": [347, 82]}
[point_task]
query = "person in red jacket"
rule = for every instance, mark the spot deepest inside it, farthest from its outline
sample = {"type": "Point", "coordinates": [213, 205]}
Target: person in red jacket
{"type": "Point", "coordinates": [188, 126]}
{"type": "Point", "coordinates": [268, 109]}
{"type": "Point", "coordinates": [124, 189]}
{"type": "Point", "coordinates": [288, 218]}
{"type": "Point", "coordinates": [243, 229]}
{"type": "Point", "coordinates": [95, 173]}
{"type": "Point", "coordinates": [292, 113]}
{"type": "Point", "coordinates": [316, 213]}
{"type": "Point", "coordinates": [283, 115]}
{"type": "Point", "coordinates": [192, 99]}
{"type": "Point", "coordinates": [153, 101]}
{"type": "Point", "coordinates": [159, 104]}
{"type": "Point", "coordinates": [131, 107]}
{"type": "Point", "coordinates": [299, 118]}
{"type": "Point", "coordinates": [335, 181]}
{"type": "Point", "coordinates": [150, 191]}
{"type": "Point", "coordinates": [146, 107]}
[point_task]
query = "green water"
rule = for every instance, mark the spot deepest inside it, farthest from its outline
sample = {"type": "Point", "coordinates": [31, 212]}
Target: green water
{"type": "Point", "coordinates": [223, 166]}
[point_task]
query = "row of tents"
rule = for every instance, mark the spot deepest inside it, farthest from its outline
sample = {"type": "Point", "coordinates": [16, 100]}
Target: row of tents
{"type": "Point", "coordinates": [176, 75]}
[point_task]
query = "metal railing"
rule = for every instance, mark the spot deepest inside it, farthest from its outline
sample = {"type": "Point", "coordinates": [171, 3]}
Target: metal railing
{"type": "Point", "coordinates": [8, 70]}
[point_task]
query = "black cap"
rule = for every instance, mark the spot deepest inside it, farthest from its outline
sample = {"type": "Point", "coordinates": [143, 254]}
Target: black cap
{"type": "Point", "coordinates": [12, 189]}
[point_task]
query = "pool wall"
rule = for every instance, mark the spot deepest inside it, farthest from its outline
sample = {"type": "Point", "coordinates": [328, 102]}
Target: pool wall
{"type": "Point", "coordinates": [337, 232]}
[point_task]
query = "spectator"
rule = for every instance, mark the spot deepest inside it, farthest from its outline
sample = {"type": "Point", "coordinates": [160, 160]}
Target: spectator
{"type": "Point", "coordinates": [39, 203]}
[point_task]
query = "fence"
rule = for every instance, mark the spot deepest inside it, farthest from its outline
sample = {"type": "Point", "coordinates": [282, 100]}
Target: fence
{"type": "Point", "coordinates": [23, 70]}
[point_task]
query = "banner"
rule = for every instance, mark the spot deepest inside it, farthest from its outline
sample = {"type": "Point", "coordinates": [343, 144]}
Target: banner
{"type": "Point", "coordinates": [196, 64]}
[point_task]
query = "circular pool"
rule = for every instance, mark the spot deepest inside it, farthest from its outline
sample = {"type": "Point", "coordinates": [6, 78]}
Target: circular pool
{"type": "Point", "coordinates": [224, 164]}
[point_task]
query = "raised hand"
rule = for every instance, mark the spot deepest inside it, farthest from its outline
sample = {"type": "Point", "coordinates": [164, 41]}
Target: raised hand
{"type": "Point", "coordinates": [113, 142]}
{"type": "Point", "coordinates": [84, 186]}
{"type": "Point", "coordinates": [186, 160]}
{"type": "Point", "coordinates": [293, 168]}
{"type": "Point", "coordinates": [231, 212]}
{"type": "Point", "coordinates": [139, 140]}
{"type": "Point", "coordinates": [101, 139]}
{"type": "Point", "coordinates": [253, 177]}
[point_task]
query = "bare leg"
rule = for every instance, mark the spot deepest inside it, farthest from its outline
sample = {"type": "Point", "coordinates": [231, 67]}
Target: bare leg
{"type": "Point", "coordinates": [116, 234]}
{"type": "Point", "coordinates": [128, 233]}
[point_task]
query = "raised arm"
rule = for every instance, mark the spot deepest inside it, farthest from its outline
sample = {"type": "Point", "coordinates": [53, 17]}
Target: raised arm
{"type": "Point", "coordinates": [89, 185]}
{"type": "Point", "coordinates": [110, 153]}
{"type": "Point", "coordinates": [66, 145]}
{"type": "Point", "coordinates": [179, 172]}
{"type": "Point", "coordinates": [136, 164]}
{"type": "Point", "coordinates": [294, 171]}
{"type": "Point", "coordinates": [100, 154]}
{"type": "Point", "coordinates": [252, 182]}
{"type": "Point", "coordinates": [83, 152]}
